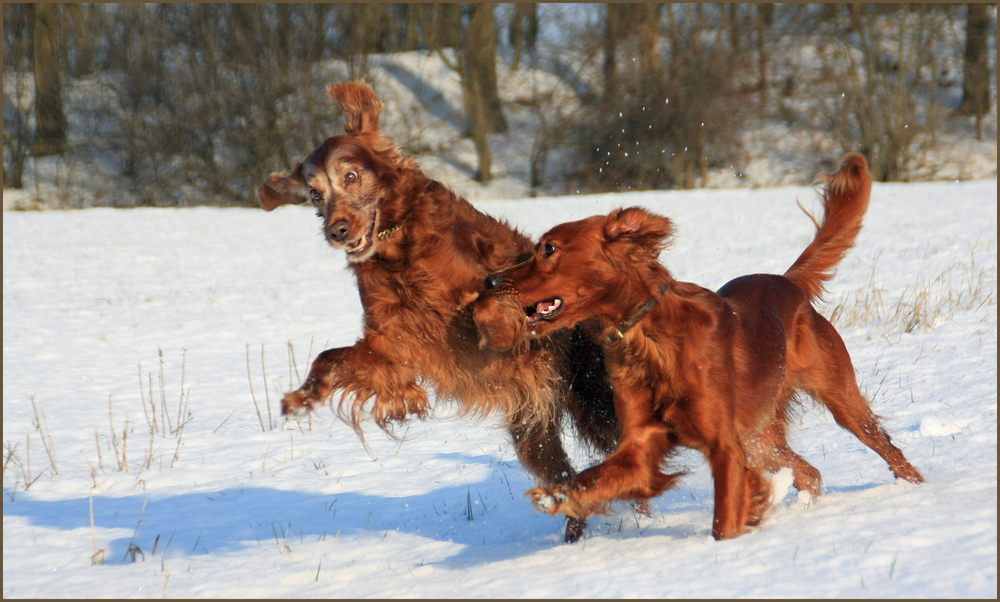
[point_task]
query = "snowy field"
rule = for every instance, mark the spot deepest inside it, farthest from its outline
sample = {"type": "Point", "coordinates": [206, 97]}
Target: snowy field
{"type": "Point", "coordinates": [233, 504]}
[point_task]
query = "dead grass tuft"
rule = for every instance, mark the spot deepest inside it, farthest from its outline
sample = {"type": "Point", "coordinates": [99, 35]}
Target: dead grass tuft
{"type": "Point", "coordinates": [964, 286]}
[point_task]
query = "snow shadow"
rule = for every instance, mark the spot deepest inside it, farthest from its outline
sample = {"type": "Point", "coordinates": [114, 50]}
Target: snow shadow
{"type": "Point", "coordinates": [232, 519]}
{"type": "Point", "coordinates": [503, 524]}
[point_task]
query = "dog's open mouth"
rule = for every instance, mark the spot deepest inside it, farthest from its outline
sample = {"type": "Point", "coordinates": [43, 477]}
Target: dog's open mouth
{"type": "Point", "coordinates": [360, 247]}
{"type": "Point", "coordinates": [543, 310]}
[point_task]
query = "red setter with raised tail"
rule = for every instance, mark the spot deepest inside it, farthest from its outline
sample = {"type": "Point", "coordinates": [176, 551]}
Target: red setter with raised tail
{"type": "Point", "coordinates": [421, 256]}
{"type": "Point", "coordinates": [711, 371]}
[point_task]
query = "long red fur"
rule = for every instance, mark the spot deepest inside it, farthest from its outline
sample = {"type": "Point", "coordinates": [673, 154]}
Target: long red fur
{"type": "Point", "coordinates": [712, 371]}
{"type": "Point", "coordinates": [420, 255]}
{"type": "Point", "coordinates": [845, 201]}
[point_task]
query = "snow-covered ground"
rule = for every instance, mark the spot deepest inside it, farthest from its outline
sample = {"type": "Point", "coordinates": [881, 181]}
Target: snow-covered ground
{"type": "Point", "coordinates": [226, 509]}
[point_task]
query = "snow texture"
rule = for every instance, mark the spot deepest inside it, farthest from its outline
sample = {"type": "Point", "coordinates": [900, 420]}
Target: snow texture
{"type": "Point", "coordinates": [90, 298]}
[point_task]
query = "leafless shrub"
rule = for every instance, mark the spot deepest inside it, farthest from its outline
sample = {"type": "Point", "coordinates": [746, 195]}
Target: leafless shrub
{"type": "Point", "coordinates": [880, 61]}
{"type": "Point", "coordinates": [664, 124]}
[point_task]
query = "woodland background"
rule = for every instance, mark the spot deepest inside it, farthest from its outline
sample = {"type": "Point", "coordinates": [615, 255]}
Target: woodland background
{"type": "Point", "coordinates": [192, 104]}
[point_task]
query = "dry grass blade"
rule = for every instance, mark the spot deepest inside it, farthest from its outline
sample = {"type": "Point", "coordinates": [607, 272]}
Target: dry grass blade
{"type": "Point", "coordinates": [133, 549]}
{"type": "Point", "coordinates": [10, 454]}
{"type": "Point", "coordinates": [163, 395]}
{"type": "Point", "coordinates": [252, 394]}
{"type": "Point", "coordinates": [180, 403]}
{"type": "Point", "coordinates": [46, 439]}
{"type": "Point", "coordinates": [267, 395]}
{"type": "Point", "coordinates": [97, 440]}
{"type": "Point", "coordinates": [224, 421]}
{"type": "Point", "coordinates": [922, 306]}
{"type": "Point", "coordinates": [186, 414]}
{"type": "Point", "coordinates": [142, 397]}
{"type": "Point", "coordinates": [27, 456]}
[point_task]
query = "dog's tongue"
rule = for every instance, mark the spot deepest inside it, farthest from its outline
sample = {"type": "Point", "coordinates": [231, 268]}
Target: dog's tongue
{"type": "Point", "coordinates": [362, 244]}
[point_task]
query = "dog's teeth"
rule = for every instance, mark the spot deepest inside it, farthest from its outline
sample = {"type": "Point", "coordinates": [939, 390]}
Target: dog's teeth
{"type": "Point", "coordinates": [547, 308]}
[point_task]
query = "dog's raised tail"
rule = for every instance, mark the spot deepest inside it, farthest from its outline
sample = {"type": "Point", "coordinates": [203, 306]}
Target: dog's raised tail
{"type": "Point", "coordinates": [845, 201]}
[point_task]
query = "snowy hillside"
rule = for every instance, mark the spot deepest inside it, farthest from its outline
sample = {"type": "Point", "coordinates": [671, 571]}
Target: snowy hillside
{"type": "Point", "coordinates": [424, 112]}
{"type": "Point", "coordinates": [123, 325]}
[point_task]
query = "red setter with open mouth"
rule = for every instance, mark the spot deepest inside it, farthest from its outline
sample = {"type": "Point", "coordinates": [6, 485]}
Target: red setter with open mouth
{"type": "Point", "coordinates": [711, 371]}
{"type": "Point", "coordinates": [421, 256]}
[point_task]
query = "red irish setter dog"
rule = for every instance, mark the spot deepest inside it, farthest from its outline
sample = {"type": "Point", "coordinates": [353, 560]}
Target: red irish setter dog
{"type": "Point", "coordinates": [711, 371]}
{"type": "Point", "coordinates": [421, 255]}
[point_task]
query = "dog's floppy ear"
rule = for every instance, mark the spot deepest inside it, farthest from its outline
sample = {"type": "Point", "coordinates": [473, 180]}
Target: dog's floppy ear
{"type": "Point", "coordinates": [360, 105]}
{"type": "Point", "coordinates": [645, 234]}
{"type": "Point", "coordinates": [648, 232]}
{"type": "Point", "coordinates": [283, 189]}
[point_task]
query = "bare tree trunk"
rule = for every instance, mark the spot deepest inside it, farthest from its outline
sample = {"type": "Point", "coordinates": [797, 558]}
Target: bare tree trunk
{"type": "Point", "coordinates": [672, 35]}
{"type": "Point", "coordinates": [479, 86]}
{"type": "Point", "coordinates": [976, 66]}
{"type": "Point", "coordinates": [443, 27]}
{"type": "Point", "coordinates": [765, 14]}
{"type": "Point", "coordinates": [84, 64]}
{"type": "Point", "coordinates": [733, 25]}
{"type": "Point", "coordinates": [318, 31]}
{"type": "Point", "coordinates": [284, 34]}
{"type": "Point", "coordinates": [412, 37]}
{"type": "Point", "coordinates": [531, 29]}
{"type": "Point", "coordinates": [523, 31]}
{"type": "Point", "coordinates": [480, 66]}
{"type": "Point", "coordinates": [648, 17]}
{"type": "Point", "coordinates": [50, 133]}
{"type": "Point", "coordinates": [478, 130]}
{"type": "Point", "coordinates": [18, 48]}
{"type": "Point", "coordinates": [612, 31]}
{"type": "Point", "coordinates": [516, 33]}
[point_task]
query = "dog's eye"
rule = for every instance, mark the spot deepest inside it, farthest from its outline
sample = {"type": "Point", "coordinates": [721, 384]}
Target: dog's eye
{"type": "Point", "coordinates": [548, 249]}
{"type": "Point", "coordinates": [315, 195]}
{"type": "Point", "coordinates": [352, 176]}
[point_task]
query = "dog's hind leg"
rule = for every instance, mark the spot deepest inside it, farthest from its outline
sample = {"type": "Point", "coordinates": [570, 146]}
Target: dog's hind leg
{"type": "Point", "coordinates": [831, 381]}
{"type": "Point", "coordinates": [769, 449]}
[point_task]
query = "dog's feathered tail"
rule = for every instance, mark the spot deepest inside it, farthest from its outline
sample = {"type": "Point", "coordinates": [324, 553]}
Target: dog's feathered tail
{"type": "Point", "coordinates": [845, 201]}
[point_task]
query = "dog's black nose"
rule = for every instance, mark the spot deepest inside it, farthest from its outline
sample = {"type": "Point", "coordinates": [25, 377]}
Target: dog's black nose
{"type": "Point", "coordinates": [339, 231]}
{"type": "Point", "coordinates": [492, 281]}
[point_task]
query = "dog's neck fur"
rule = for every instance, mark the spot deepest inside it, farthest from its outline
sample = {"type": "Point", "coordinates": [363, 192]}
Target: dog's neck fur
{"type": "Point", "coordinates": [675, 313]}
{"type": "Point", "coordinates": [428, 207]}
{"type": "Point", "coordinates": [626, 324]}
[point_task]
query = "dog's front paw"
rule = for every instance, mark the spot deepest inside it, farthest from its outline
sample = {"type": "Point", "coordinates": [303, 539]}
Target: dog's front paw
{"type": "Point", "coordinates": [642, 507]}
{"type": "Point", "coordinates": [296, 405]}
{"type": "Point", "coordinates": [550, 500]}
